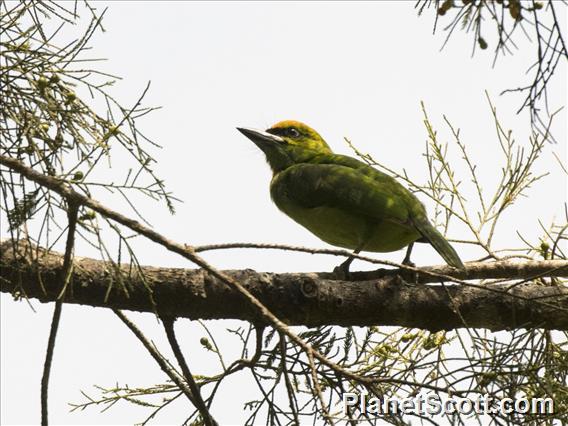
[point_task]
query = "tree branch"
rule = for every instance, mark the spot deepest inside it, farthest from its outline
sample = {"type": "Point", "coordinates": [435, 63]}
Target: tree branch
{"type": "Point", "coordinates": [208, 420]}
{"type": "Point", "coordinates": [309, 299]}
{"type": "Point", "coordinates": [66, 274]}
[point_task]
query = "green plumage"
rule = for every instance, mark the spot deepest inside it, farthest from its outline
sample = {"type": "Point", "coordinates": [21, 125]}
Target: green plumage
{"type": "Point", "coordinates": [343, 201]}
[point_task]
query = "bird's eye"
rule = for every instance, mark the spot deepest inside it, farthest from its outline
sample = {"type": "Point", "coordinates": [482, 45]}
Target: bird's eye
{"type": "Point", "coordinates": [293, 132]}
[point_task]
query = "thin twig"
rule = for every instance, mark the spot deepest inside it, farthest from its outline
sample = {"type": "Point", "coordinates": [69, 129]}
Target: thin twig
{"type": "Point", "coordinates": [168, 324]}
{"type": "Point", "coordinates": [66, 274]}
{"type": "Point", "coordinates": [160, 360]}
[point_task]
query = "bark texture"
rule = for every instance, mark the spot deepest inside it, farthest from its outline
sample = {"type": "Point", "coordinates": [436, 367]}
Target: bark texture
{"type": "Point", "coordinates": [311, 299]}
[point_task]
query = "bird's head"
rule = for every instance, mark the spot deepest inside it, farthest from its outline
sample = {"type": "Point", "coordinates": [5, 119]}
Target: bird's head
{"type": "Point", "coordinates": [299, 134]}
{"type": "Point", "coordinates": [287, 142]}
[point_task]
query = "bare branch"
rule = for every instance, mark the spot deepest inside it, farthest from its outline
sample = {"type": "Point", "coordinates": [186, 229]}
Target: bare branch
{"type": "Point", "coordinates": [308, 298]}
{"type": "Point", "coordinates": [65, 277]}
{"type": "Point", "coordinates": [168, 323]}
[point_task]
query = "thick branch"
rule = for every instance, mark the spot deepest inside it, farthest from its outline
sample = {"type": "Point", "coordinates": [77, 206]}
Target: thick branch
{"type": "Point", "coordinates": [309, 299]}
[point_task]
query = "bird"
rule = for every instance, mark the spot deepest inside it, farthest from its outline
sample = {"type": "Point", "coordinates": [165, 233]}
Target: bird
{"type": "Point", "coordinates": [342, 200]}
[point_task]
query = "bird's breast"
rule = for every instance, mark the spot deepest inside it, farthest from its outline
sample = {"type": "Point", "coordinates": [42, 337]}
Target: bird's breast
{"type": "Point", "coordinates": [343, 228]}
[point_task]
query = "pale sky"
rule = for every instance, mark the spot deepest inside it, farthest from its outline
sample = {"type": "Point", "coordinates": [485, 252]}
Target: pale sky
{"type": "Point", "coordinates": [357, 70]}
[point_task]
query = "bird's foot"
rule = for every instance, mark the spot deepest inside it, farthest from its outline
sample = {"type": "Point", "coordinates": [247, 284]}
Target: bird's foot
{"type": "Point", "coordinates": [341, 272]}
{"type": "Point", "coordinates": [414, 274]}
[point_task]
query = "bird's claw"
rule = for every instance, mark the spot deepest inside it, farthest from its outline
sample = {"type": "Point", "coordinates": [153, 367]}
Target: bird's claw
{"type": "Point", "coordinates": [341, 272]}
{"type": "Point", "coordinates": [414, 274]}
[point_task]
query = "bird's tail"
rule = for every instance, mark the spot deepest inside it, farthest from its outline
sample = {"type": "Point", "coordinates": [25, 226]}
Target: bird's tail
{"type": "Point", "coordinates": [438, 241]}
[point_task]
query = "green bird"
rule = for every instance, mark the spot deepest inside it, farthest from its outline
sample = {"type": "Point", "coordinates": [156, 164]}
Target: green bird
{"type": "Point", "coordinates": [342, 200]}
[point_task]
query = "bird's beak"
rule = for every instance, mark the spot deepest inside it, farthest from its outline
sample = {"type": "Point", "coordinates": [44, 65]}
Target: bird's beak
{"type": "Point", "coordinates": [260, 137]}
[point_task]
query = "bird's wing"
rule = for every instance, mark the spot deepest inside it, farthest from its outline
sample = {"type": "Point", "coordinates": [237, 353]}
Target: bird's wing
{"type": "Point", "coordinates": [380, 178]}
{"type": "Point", "coordinates": [314, 185]}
